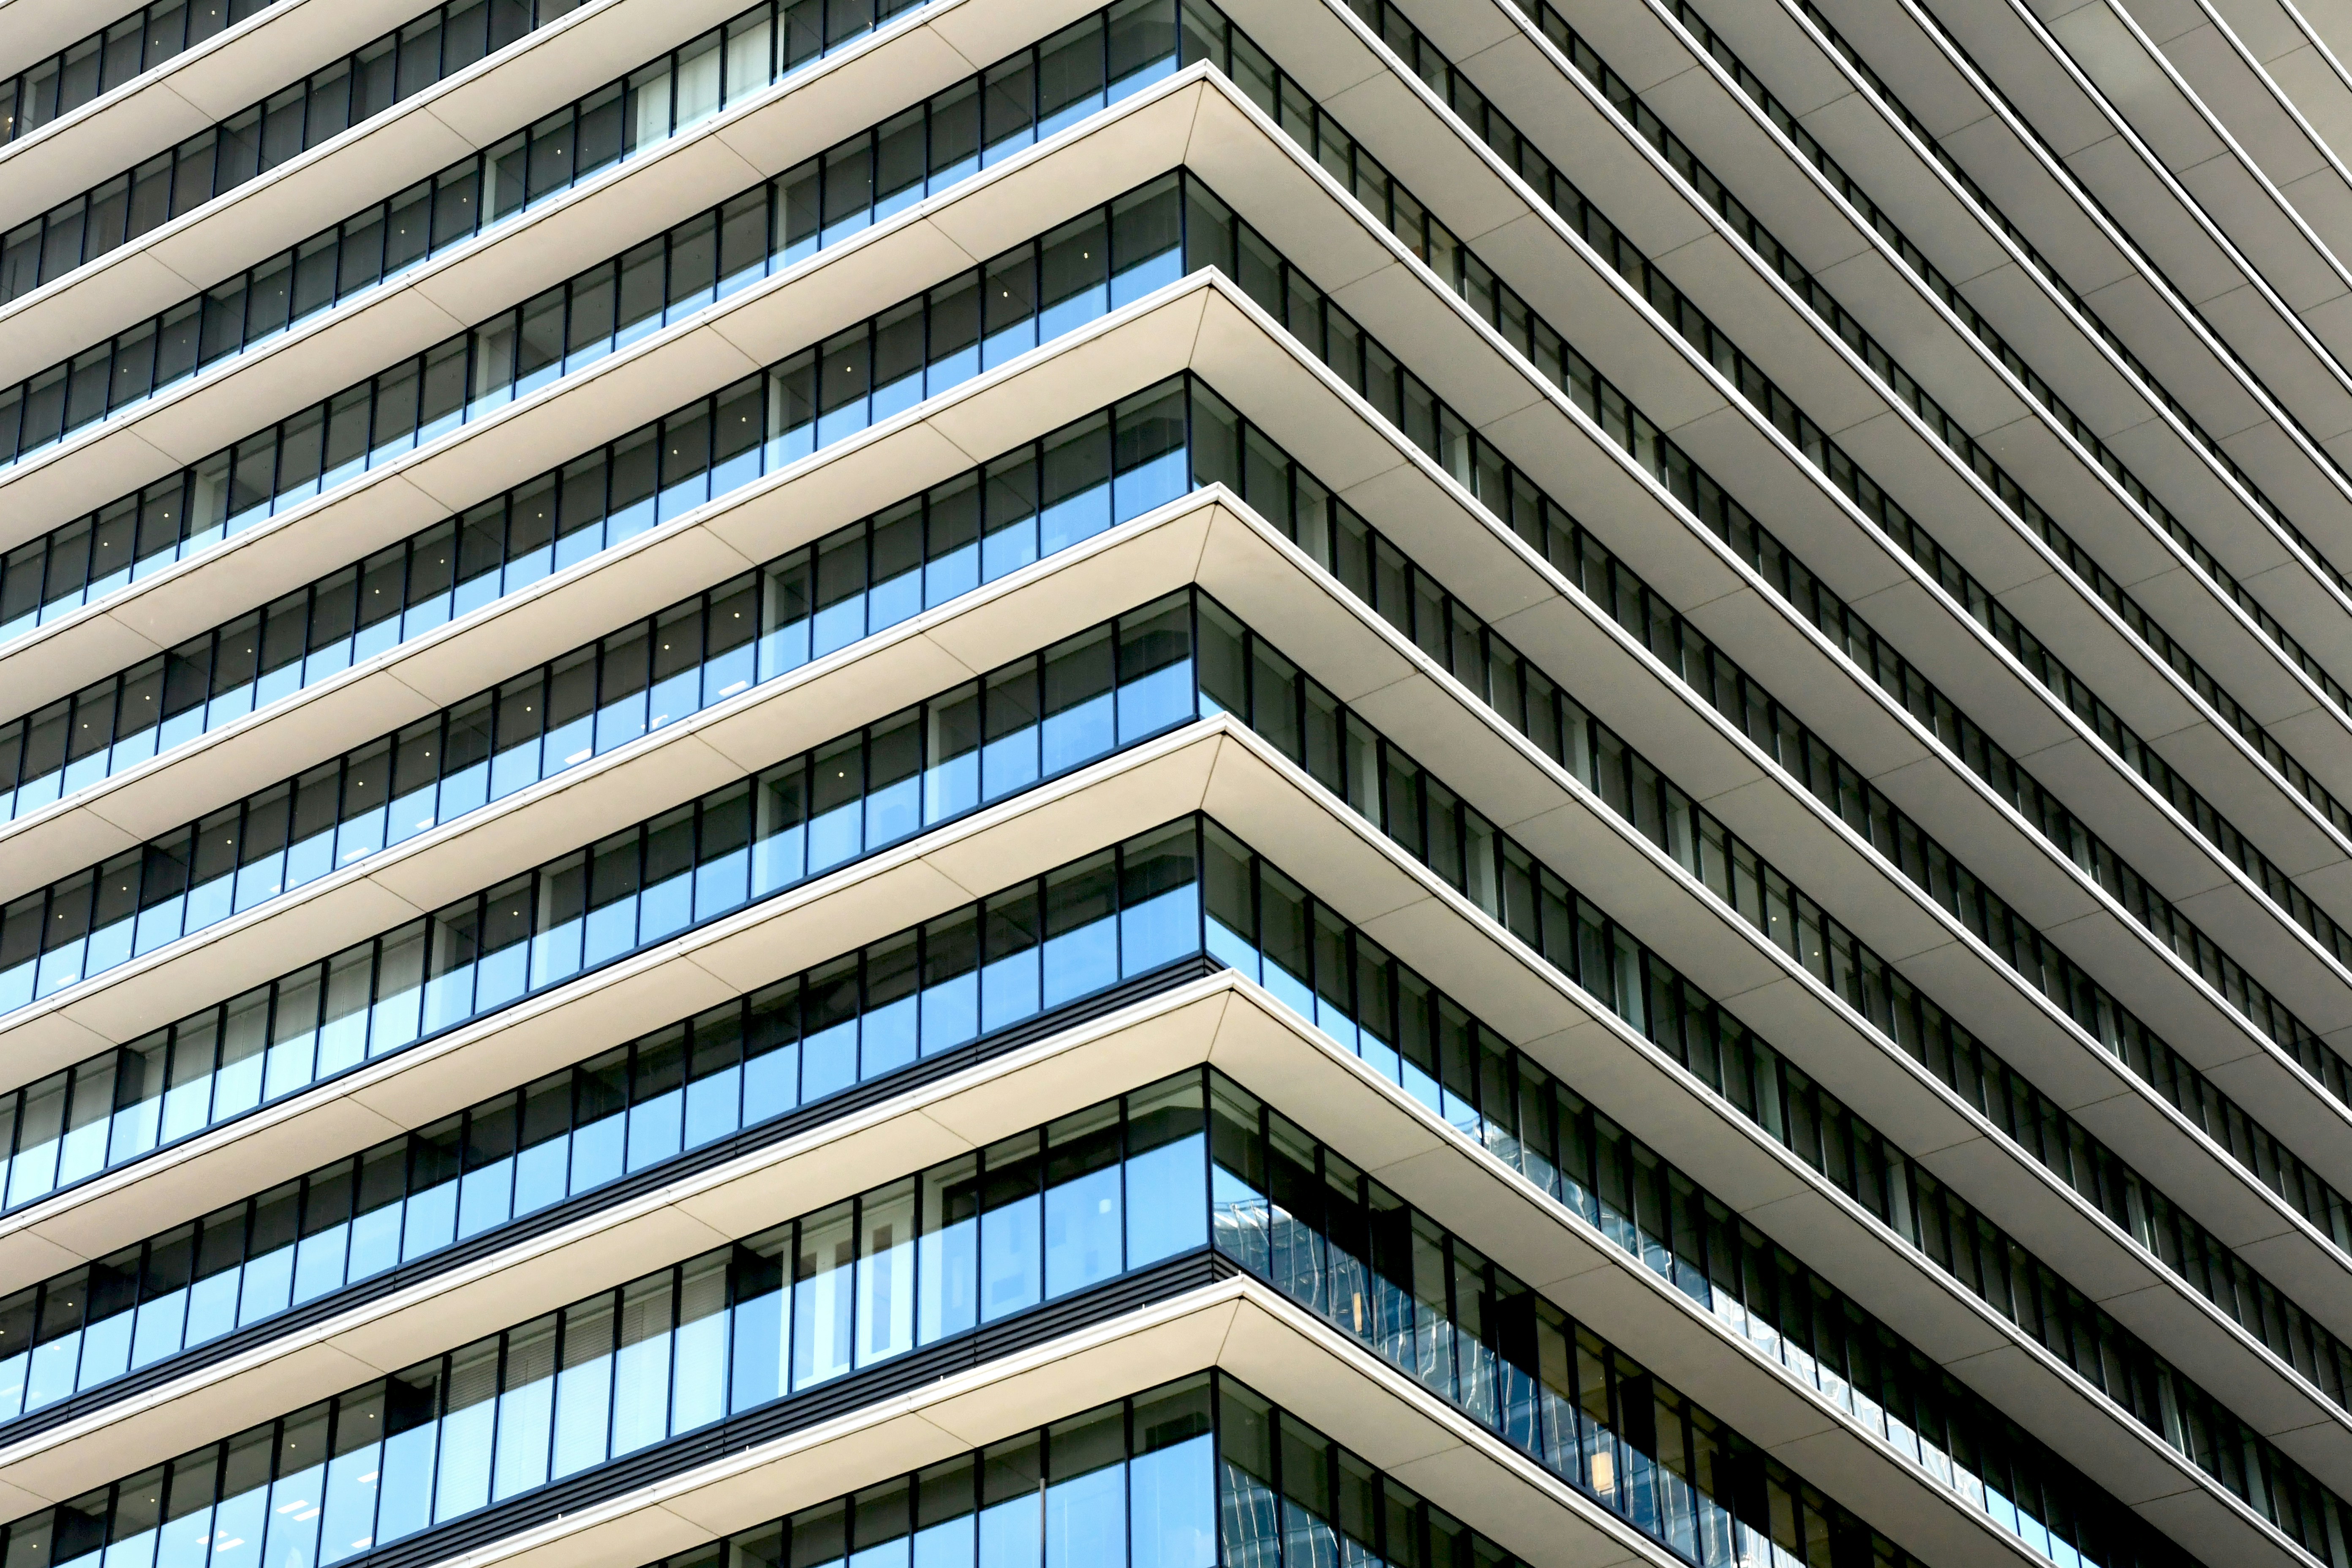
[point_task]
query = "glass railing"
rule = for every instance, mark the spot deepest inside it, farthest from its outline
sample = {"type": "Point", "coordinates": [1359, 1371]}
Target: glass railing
{"type": "Point", "coordinates": [1033, 501]}
{"type": "Point", "coordinates": [1040, 1218]}
{"type": "Point", "coordinates": [90, 67]}
{"type": "Point", "coordinates": [1168, 1478]}
{"type": "Point", "coordinates": [1296, 1212]}
{"type": "Point", "coordinates": [247, 145]}
{"type": "Point", "coordinates": [1036, 719]}
{"type": "Point", "coordinates": [1177, 1474]}
{"type": "Point", "coordinates": [1131, 1484]}
{"type": "Point", "coordinates": [921, 152]}
{"type": "Point", "coordinates": [1001, 963]}
{"type": "Point", "coordinates": [1557, 360]}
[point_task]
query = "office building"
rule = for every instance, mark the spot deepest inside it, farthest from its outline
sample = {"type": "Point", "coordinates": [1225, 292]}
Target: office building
{"type": "Point", "coordinates": [1211, 784]}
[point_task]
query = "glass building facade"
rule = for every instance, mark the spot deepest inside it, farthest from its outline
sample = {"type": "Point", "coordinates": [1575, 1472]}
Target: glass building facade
{"type": "Point", "coordinates": [924, 1264]}
{"type": "Point", "coordinates": [726, 737]}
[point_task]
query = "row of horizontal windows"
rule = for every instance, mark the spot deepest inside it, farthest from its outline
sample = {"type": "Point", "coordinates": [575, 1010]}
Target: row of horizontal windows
{"type": "Point", "coordinates": [970, 1242]}
{"type": "Point", "coordinates": [1142, 1482]}
{"type": "Point", "coordinates": [381, 242]}
{"type": "Point", "coordinates": [1762, 895]}
{"type": "Point", "coordinates": [1361, 361]}
{"type": "Point", "coordinates": [998, 964]}
{"type": "Point", "coordinates": [1181, 1474]}
{"type": "Point", "coordinates": [1930, 866]}
{"type": "Point", "coordinates": [2095, 580]}
{"type": "Point", "coordinates": [1559, 362]}
{"type": "Point", "coordinates": [432, 617]}
{"type": "Point", "coordinates": [90, 67]}
{"type": "Point", "coordinates": [1453, 444]}
{"type": "Point", "coordinates": [663, 469]}
{"type": "Point", "coordinates": [1039, 716]}
{"type": "Point", "coordinates": [1039, 1216]}
{"type": "Point", "coordinates": [1129, 1484]}
{"type": "Point", "coordinates": [1296, 1212]}
{"type": "Point", "coordinates": [817, 599]}
{"type": "Point", "coordinates": [1210, 1473]}
{"type": "Point", "coordinates": [86, 738]}
{"type": "Point", "coordinates": [1116, 914]}
{"type": "Point", "coordinates": [1440, 838]}
{"type": "Point", "coordinates": [747, 631]}
{"type": "Point", "coordinates": [400, 594]}
{"type": "Point", "coordinates": [2222, 1120]}
{"type": "Point", "coordinates": [247, 144]}
{"type": "Point", "coordinates": [411, 780]}
{"type": "Point", "coordinates": [712, 447]}
{"type": "Point", "coordinates": [1390, 583]}
{"type": "Point", "coordinates": [1710, 675]}
{"type": "Point", "coordinates": [1000, 309]}
{"type": "Point", "coordinates": [1944, 288]}
{"type": "Point", "coordinates": [989, 520]}
{"type": "Point", "coordinates": [478, 945]}
{"type": "Point", "coordinates": [919, 152]}
{"type": "Point", "coordinates": [1784, 263]}
{"type": "Point", "coordinates": [1421, 609]}
{"type": "Point", "coordinates": [1241, 674]}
